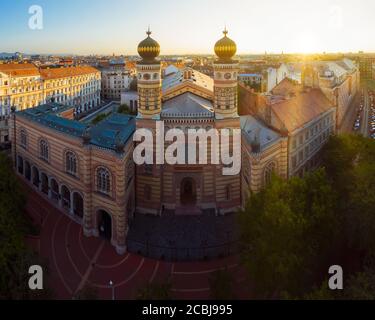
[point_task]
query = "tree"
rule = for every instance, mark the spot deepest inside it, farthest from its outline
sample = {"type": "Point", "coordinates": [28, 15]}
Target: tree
{"type": "Point", "coordinates": [361, 286]}
{"type": "Point", "coordinates": [99, 118]}
{"type": "Point", "coordinates": [292, 231]}
{"type": "Point", "coordinates": [88, 292]}
{"type": "Point", "coordinates": [124, 109]}
{"type": "Point", "coordinates": [15, 257]}
{"type": "Point", "coordinates": [221, 285]}
{"type": "Point", "coordinates": [322, 293]}
{"type": "Point", "coordinates": [278, 254]}
{"type": "Point", "coordinates": [155, 291]}
{"type": "Point", "coordinates": [349, 161]}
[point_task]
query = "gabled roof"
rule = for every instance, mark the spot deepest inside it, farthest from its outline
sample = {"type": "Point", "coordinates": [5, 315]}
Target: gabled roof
{"type": "Point", "coordinates": [296, 106]}
{"type": "Point", "coordinates": [187, 105]}
{"type": "Point", "coordinates": [286, 87]}
{"type": "Point", "coordinates": [197, 79]}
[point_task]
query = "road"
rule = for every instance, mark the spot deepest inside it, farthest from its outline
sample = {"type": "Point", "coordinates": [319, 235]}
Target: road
{"type": "Point", "coordinates": [351, 115]}
{"type": "Point", "coordinates": [366, 113]}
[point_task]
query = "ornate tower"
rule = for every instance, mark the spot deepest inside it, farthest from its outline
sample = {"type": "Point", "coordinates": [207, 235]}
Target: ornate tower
{"type": "Point", "coordinates": [225, 79]}
{"type": "Point", "coordinates": [149, 79]}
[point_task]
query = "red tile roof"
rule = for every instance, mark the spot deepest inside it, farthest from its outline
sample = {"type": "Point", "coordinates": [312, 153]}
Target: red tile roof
{"type": "Point", "coordinates": [28, 69]}
{"type": "Point", "coordinates": [58, 73]}
{"type": "Point", "coordinates": [19, 69]}
{"type": "Point", "coordinates": [297, 106]}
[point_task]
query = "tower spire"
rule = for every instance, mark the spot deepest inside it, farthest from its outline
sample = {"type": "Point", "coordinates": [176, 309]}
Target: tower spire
{"type": "Point", "coordinates": [225, 30]}
{"type": "Point", "coordinates": [148, 31]}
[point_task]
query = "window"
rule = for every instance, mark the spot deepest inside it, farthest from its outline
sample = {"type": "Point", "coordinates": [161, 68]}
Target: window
{"type": "Point", "coordinates": [44, 150]}
{"type": "Point", "coordinates": [103, 180]}
{"type": "Point", "coordinates": [268, 172]}
{"type": "Point", "coordinates": [23, 138]}
{"type": "Point", "coordinates": [71, 163]}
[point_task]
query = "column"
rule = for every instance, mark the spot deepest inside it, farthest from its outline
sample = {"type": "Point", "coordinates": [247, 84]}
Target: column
{"type": "Point", "coordinates": [71, 209]}
{"type": "Point", "coordinates": [49, 188]}
{"type": "Point", "coordinates": [121, 233]}
{"type": "Point", "coordinates": [60, 197]}
{"type": "Point", "coordinates": [40, 182]}
{"type": "Point", "coordinates": [23, 167]}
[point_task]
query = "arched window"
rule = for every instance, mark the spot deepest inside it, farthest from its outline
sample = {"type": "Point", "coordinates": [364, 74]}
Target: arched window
{"type": "Point", "coordinates": [147, 192]}
{"type": "Point", "coordinates": [44, 150]}
{"type": "Point", "coordinates": [103, 180]}
{"type": "Point", "coordinates": [23, 139]}
{"type": "Point", "coordinates": [71, 163]}
{"type": "Point", "coordinates": [268, 172]}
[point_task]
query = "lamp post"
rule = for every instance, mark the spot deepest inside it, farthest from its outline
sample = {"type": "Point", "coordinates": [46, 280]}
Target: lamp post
{"type": "Point", "coordinates": [111, 285]}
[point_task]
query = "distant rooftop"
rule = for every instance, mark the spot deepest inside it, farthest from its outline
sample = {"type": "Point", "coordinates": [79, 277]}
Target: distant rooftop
{"type": "Point", "coordinates": [249, 75]}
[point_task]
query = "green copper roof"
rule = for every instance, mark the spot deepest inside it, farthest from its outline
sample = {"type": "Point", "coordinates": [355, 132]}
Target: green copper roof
{"type": "Point", "coordinates": [111, 132]}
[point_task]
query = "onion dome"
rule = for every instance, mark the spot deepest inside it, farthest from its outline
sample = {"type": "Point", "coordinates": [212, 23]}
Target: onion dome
{"type": "Point", "coordinates": [149, 49]}
{"type": "Point", "coordinates": [225, 48]}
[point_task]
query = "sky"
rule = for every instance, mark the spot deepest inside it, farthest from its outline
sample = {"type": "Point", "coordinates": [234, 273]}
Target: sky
{"type": "Point", "coordinates": [189, 26]}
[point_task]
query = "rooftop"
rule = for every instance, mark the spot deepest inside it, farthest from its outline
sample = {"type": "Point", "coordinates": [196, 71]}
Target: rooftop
{"type": "Point", "coordinates": [29, 69]}
{"type": "Point", "coordinates": [198, 78]}
{"type": "Point", "coordinates": [296, 106]}
{"type": "Point", "coordinates": [256, 130]}
{"type": "Point", "coordinates": [187, 105]}
{"type": "Point", "coordinates": [116, 128]}
{"type": "Point", "coordinates": [63, 72]}
{"type": "Point", "coordinates": [19, 69]}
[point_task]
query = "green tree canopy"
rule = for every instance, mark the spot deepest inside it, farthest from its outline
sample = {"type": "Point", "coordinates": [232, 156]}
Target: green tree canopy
{"type": "Point", "coordinates": [15, 257]}
{"type": "Point", "coordinates": [292, 231]}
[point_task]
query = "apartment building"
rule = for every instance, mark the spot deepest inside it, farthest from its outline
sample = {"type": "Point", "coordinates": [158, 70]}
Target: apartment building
{"type": "Point", "coordinates": [24, 86]}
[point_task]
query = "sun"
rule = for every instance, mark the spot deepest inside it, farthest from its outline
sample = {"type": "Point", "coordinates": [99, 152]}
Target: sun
{"type": "Point", "coordinates": [306, 43]}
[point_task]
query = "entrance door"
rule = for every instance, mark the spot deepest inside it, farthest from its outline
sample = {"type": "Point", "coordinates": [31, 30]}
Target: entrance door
{"type": "Point", "coordinates": [105, 225]}
{"type": "Point", "coordinates": [188, 192]}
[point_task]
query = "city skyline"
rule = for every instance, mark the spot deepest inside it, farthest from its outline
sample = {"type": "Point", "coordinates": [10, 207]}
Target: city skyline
{"type": "Point", "coordinates": [188, 28]}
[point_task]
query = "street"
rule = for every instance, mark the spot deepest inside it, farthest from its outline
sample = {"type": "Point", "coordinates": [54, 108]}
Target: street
{"type": "Point", "coordinates": [365, 118]}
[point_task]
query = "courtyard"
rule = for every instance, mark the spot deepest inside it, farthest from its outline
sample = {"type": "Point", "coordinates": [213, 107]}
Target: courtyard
{"type": "Point", "coordinates": [75, 261]}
